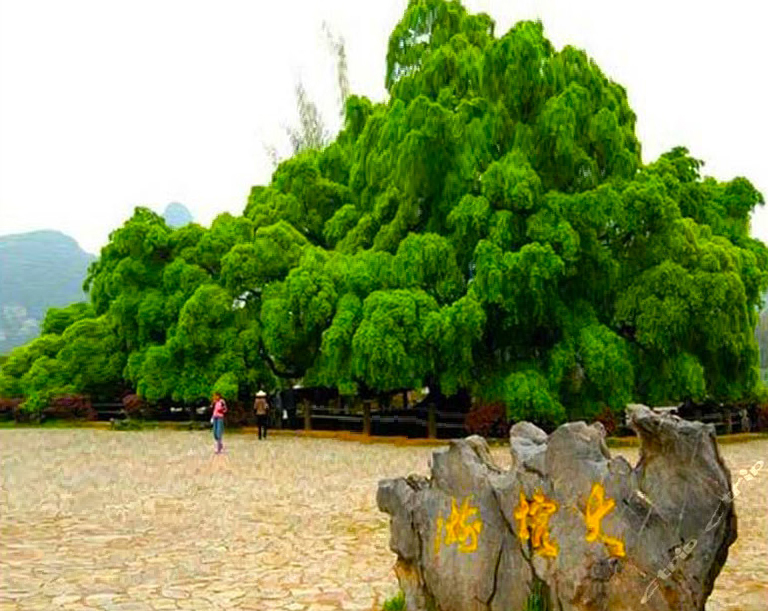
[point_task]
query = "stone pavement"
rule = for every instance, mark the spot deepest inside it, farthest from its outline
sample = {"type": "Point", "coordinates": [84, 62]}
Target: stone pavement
{"type": "Point", "coordinates": [138, 521]}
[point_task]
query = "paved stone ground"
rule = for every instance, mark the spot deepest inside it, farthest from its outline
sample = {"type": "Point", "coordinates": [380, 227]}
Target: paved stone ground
{"type": "Point", "coordinates": [151, 520]}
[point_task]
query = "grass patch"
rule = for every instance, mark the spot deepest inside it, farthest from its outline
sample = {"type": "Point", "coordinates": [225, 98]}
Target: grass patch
{"type": "Point", "coordinates": [193, 425]}
{"type": "Point", "coordinates": [47, 424]}
{"type": "Point", "coordinates": [537, 599]}
{"type": "Point", "coordinates": [622, 442]}
{"type": "Point", "coordinates": [741, 437]}
{"type": "Point", "coordinates": [129, 424]}
{"type": "Point", "coordinates": [396, 603]}
{"type": "Point", "coordinates": [634, 442]}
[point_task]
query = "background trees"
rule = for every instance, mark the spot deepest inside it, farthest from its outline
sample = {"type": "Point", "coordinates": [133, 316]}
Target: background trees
{"type": "Point", "coordinates": [490, 229]}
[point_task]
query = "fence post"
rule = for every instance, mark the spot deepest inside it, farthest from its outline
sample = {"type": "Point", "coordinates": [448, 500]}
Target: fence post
{"type": "Point", "coordinates": [366, 417]}
{"type": "Point", "coordinates": [307, 415]}
{"type": "Point", "coordinates": [431, 422]}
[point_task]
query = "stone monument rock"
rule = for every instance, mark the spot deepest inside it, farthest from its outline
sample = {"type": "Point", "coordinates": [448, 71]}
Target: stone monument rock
{"type": "Point", "coordinates": [568, 524]}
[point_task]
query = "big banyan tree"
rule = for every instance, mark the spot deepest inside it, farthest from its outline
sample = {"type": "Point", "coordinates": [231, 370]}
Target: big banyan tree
{"type": "Point", "coordinates": [488, 229]}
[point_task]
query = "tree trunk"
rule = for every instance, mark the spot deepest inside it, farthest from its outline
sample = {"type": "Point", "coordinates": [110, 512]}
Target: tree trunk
{"type": "Point", "coordinates": [432, 421]}
{"type": "Point", "coordinates": [307, 415]}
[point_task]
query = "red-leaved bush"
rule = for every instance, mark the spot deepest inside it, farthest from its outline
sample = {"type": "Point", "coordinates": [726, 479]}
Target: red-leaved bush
{"type": "Point", "coordinates": [134, 406]}
{"type": "Point", "coordinates": [608, 419]}
{"type": "Point", "coordinates": [70, 407]}
{"type": "Point", "coordinates": [487, 420]}
{"type": "Point", "coordinates": [9, 408]}
{"type": "Point", "coordinates": [762, 417]}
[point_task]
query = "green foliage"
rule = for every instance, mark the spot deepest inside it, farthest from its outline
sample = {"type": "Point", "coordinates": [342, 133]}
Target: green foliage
{"type": "Point", "coordinates": [57, 320]}
{"type": "Point", "coordinates": [128, 424]}
{"type": "Point", "coordinates": [21, 359]}
{"type": "Point", "coordinates": [537, 599]}
{"type": "Point", "coordinates": [226, 386]}
{"type": "Point", "coordinates": [10, 387]}
{"type": "Point", "coordinates": [90, 359]}
{"type": "Point", "coordinates": [275, 250]}
{"type": "Point", "coordinates": [396, 603]}
{"type": "Point", "coordinates": [528, 396]}
{"type": "Point", "coordinates": [389, 347]}
{"type": "Point", "coordinates": [34, 404]}
{"type": "Point", "coordinates": [44, 377]}
{"type": "Point", "coordinates": [490, 229]}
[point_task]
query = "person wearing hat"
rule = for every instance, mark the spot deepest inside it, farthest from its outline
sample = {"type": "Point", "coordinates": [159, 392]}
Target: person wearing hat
{"type": "Point", "coordinates": [261, 407]}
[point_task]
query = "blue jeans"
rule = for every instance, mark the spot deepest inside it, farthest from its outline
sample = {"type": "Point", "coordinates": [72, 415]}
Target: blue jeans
{"type": "Point", "coordinates": [218, 428]}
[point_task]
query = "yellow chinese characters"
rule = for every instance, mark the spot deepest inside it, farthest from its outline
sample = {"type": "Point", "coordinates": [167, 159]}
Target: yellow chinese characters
{"type": "Point", "coordinates": [533, 522]}
{"type": "Point", "coordinates": [597, 508]}
{"type": "Point", "coordinates": [462, 527]}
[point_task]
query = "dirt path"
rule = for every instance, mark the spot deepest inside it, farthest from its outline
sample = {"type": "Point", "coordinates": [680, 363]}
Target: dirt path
{"type": "Point", "coordinates": [95, 519]}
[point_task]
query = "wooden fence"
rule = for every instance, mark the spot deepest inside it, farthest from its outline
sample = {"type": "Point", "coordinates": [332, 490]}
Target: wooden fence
{"type": "Point", "coordinates": [107, 411]}
{"type": "Point", "coordinates": [416, 422]}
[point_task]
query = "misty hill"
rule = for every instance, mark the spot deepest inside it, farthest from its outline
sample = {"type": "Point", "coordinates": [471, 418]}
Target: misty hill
{"type": "Point", "coordinates": [38, 270]}
{"type": "Point", "coordinates": [177, 215]}
{"type": "Point", "coordinates": [761, 332]}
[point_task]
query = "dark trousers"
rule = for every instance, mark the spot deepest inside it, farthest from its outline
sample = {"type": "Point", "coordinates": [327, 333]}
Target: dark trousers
{"type": "Point", "coordinates": [261, 422]}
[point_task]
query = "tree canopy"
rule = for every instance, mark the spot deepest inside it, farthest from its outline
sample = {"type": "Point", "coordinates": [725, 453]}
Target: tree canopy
{"type": "Point", "coordinates": [490, 228]}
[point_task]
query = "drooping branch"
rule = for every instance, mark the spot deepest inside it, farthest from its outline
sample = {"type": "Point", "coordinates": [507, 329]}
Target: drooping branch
{"type": "Point", "coordinates": [273, 367]}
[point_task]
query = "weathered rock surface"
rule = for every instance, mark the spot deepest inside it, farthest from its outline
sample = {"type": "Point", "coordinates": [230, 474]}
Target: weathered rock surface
{"type": "Point", "coordinates": [587, 531]}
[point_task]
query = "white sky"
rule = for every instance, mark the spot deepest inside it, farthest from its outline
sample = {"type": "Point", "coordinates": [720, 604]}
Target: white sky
{"type": "Point", "coordinates": [107, 104]}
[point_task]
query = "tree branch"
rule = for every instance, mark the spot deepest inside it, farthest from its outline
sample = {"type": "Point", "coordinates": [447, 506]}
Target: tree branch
{"type": "Point", "coordinates": [271, 364]}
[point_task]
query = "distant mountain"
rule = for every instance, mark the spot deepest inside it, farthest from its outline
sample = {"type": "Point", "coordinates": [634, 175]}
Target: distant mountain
{"type": "Point", "coordinates": [761, 333]}
{"type": "Point", "coordinates": [38, 270]}
{"type": "Point", "coordinates": [177, 215]}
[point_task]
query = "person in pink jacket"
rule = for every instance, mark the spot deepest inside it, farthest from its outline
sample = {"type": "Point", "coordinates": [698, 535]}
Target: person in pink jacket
{"type": "Point", "coordinates": [219, 409]}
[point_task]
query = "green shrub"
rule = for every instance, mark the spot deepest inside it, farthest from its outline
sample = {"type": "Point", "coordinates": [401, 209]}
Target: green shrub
{"type": "Point", "coordinates": [31, 410]}
{"type": "Point", "coordinates": [537, 599]}
{"type": "Point", "coordinates": [396, 603]}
